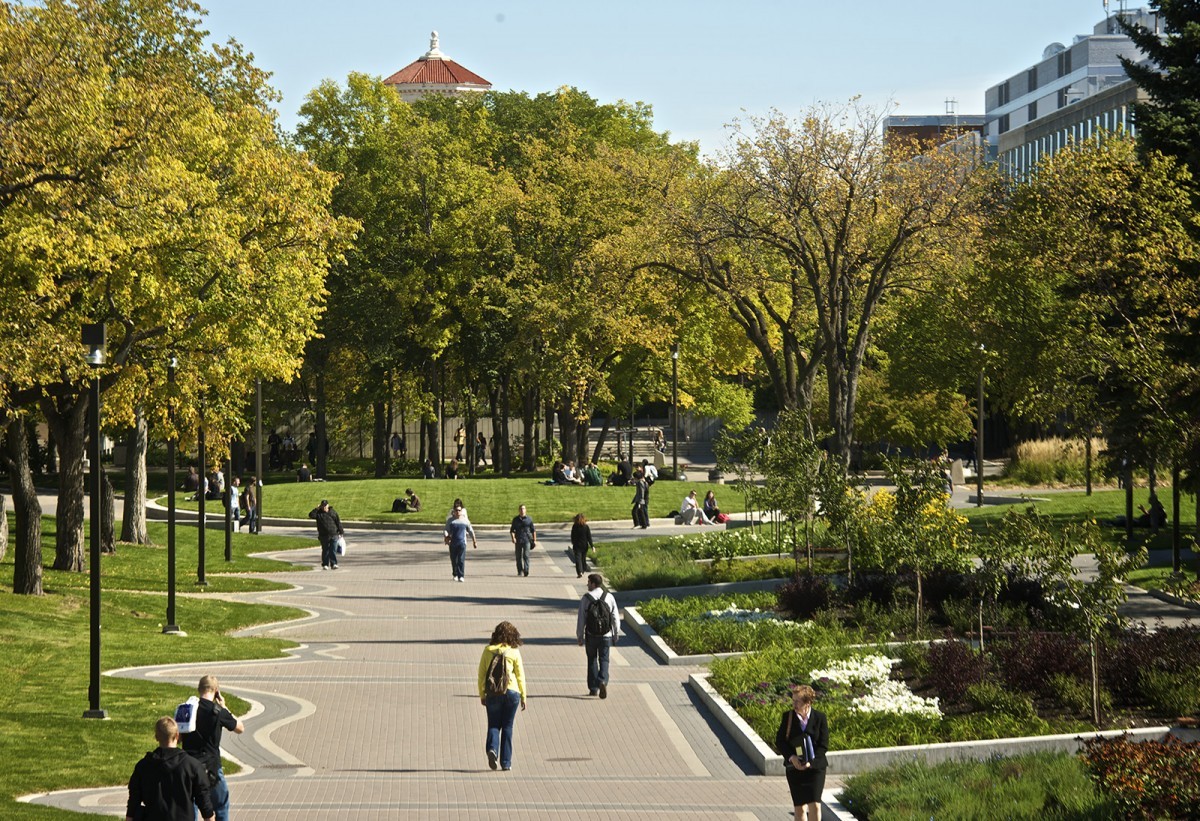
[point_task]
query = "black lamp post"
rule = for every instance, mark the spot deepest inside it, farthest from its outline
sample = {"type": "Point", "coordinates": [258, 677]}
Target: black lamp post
{"type": "Point", "coordinates": [979, 436]}
{"type": "Point", "coordinates": [93, 337]}
{"type": "Point", "coordinates": [171, 626]}
{"type": "Point", "coordinates": [231, 520]}
{"type": "Point", "coordinates": [258, 457]}
{"type": "Point", "coordinates": [675, 409]}
{"type": "Point", "coordinates": [202, 515]}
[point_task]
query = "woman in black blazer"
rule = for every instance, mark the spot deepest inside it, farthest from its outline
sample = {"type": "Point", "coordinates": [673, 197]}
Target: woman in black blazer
{"type": "Point", "coordinates": [802, 740]}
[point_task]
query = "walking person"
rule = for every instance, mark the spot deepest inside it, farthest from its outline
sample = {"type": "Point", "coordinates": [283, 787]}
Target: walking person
{"type": "Point", "coordinates": [455, 536]}
{"type": "Point", "coordinates": [168, 784]}
{"type": "Point", "coordinates": [524, 539]}
{"type": "Point", "coordinates": [597, 629]}
{"type": "Point", "coordinates": [460, 440]}
{"type": "Point", "coordinates": [481, 449]}
{"type": "Point", "coordinates": [204, 743]}
{"type": "Point", "coordinates": [501, 691]}
{"type": "Point", "coordinates": [250, 502]}
{"type": "Point", "coordinates": [329, 528]}
{"type": "Point", "coordinates": [640, 490]}
{"type": "Point", "coordinates": [234, 502]}
{"type": "Point", "coordinates": [803, 740]}
{"type": "Point", "coordinates": [581, 543]}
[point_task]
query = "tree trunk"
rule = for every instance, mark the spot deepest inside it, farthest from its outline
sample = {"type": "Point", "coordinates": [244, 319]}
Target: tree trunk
{"type": "Point", "coordinates": [1087, 462]}
{"type": "Point", "coordinates": [567, 426]}
{"type": "Point", "coordinates": [1095, 680]}
{"type": "Point", "coordinates": [3, 527]}
{"type": "Point", "coordinates": [107, 515]}
{"type": "Point", "coordinates": [67, 420]}
{"type": "Point", "coordinates": [27, 510]}
{"type": "Point", "coordinates": [133, 519]}
{"type": "Point", "coordinates": [529, 408]}
{"type": "Point", "coordinates": [379, 437]}
{"type": "Point", "coordinates": [599, 449]}
{"type": "Point", "coordinates": [583, 430]}
{"type": "Point", "coordinates": [422, 442]}
{"type": "Point", "coordinates": [505, 434]}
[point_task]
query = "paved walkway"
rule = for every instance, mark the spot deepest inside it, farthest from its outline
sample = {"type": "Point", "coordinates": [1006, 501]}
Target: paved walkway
{"type": "Point", "coordinates": [376, 715]}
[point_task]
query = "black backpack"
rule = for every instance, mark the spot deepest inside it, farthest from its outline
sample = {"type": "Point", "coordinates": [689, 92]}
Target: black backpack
{"type": "Point", "coordinates": [599, 618]}
{"type": "Point", "coordinates": [496, 681]}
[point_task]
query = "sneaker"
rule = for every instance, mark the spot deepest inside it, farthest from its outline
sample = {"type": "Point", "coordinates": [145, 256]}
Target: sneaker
{"type": "Point", "coordinates": [492, 759]}
{"type": "Point", "coordinates": [460, 578]}
{"type": "Point", "coordinates": [506, 769]}
{"type": "Point", "coordinates": [324, 567]}
{"type": "Point", "coordinates": [593, 692]}
{"type": "Point", "coordinates": [603, 691]}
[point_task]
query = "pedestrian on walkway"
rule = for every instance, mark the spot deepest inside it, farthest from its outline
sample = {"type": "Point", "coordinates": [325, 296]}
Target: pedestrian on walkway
{"type": "Point", "coordinates": [250, 502]}
{"type": "Point", "coordinates": [597, 629]}
{"type": "Point", "coordinates": [455, 536]}
{"type": "Point", "coordinates": [168, 784]}
{"type": "Point", "coordinates": [204, 743]}
{"type": "Point", "coordinates": [640, 490]}
{"type": "Point", "coordinates": [802, 740]}
{"type": "Point", "coordinates": [501, 694]}
{"type": "Point", "coordinates": [329, 528]}
{"type": "Point", "coordinates": [581, 543]}
{"type": "Point", "coordinates": [524, 539]}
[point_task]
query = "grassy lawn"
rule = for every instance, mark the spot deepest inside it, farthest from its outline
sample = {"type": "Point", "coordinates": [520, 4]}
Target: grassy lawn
{"type": "Point", "coordinates": [1102, 506]}
{"type": "Point", "coordinates": [488, 501]}
{"type": "Point", "coordinates": [45, 744]}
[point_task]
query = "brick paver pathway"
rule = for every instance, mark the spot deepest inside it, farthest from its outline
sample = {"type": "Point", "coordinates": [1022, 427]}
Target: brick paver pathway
{"type": "Point", "coordinates": [376, 716]}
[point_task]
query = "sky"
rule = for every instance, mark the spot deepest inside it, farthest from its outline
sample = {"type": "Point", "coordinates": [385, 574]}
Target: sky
{"type": "Point", "coordinates": [700, 64]}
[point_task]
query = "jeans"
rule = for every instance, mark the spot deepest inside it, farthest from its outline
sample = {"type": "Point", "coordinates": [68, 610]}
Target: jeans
{"type": "Point", "coordinates": [219, 793]}
{"type": "Point", "coordinates": [597, 658]}
{"type": "Point", "coordinates": [522, 550]}
{"type": "Point", "coordinates": [501, 712]}
{"type": "Point", "coordinates": [580, 559]}
{"type": "Point", "coordinates": [458, 559]}
{"type": "Point", "coordinates": [640, 517]}
{"type": "Point", "coordinates": [250, 520]}
{"type": "Point", "coordinates": [329, 553]}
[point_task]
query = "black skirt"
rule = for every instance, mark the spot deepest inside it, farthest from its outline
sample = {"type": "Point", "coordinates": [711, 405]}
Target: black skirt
{"type": "Point", "coordinates": [806, 785]}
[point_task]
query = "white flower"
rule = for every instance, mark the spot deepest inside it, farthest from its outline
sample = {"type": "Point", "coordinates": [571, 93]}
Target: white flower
{"type": "Point", "coordinates": [886, 695]}
{"type": "Point", "coordinates": [755, 616]}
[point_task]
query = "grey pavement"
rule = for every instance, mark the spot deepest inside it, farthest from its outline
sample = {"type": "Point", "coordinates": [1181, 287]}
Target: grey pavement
{"type": "Point", "coordinates": [376, 714]}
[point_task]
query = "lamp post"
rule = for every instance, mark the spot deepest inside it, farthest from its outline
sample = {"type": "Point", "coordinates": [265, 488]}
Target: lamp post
{"type": "Point", "coordinates": [258, 456]}
{"type": "Point", "coordinates": [675, 410]}
{"type": "Point", "coordinates": [93, 337]}
{"type": "Point", "coordinates": [202, 514]}
{"type": "Point", "coordinates": [171, 627]}
{"type": "Point", "coordinates": [979, 434]}
{"type": "Point", "coordinates": [230, 515]}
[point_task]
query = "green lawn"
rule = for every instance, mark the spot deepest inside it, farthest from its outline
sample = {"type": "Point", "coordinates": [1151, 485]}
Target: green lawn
{"type": "Point", "coordinates": [45, 744]}
{"type": "Point", "coordinates": [488, 501]}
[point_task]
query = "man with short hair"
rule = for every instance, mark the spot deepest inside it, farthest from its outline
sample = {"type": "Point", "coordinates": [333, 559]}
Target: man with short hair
{"type": "Point", "coordinates": [329, 527]}
{"type": "Point", "coordinates": [168, 784]}
{"type": "Point", "coordinates": [455, 536]}
{"type": "Point", "coordinates": [524, 539]}
{"type": "Point", "coordinates": [204, 743]}
{"type": "Point", "coordinates": [596, 636]}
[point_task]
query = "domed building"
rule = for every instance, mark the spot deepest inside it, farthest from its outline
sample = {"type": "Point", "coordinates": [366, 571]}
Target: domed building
{"type": "Point", "coordinates": [435, 73]}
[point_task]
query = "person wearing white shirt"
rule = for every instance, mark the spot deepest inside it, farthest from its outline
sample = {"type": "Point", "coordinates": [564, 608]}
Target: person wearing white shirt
{"type": "Point", "coordinates": [597, 641]}
{"type": "Point", "coordinates": [690, 512]}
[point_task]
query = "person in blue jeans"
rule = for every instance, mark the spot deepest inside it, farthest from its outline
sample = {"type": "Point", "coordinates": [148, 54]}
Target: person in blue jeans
{"type": "Point", "coordinates": [329, 527]}
{"type": "Point", "coordinates": [502, 709]}
{"type": "Point", "coordinates": [596, 633]}
{"type": "Point", "coordinates": [458, 527]}
{"type": "Point", "coordinates": [204, 743]}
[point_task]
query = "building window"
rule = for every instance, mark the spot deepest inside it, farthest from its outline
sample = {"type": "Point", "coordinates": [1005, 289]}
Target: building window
{"type": "Point", "coordinates": [1003, 93]}
{"type": "Point", "coordinates": [1031, 111]}
{"type": "Point", "coordinates": [1062, 98]}
{"type": "Point", "coordinates": [1002, 124]}
{"type": "Point", "coordinates": [1064, 63]}
{"type": "Point", "coordinates": [1032, 78]}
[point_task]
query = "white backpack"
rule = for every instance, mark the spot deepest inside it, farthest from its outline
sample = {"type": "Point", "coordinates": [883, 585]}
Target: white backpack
{"type": "Point", "coordinates": [185, 715]}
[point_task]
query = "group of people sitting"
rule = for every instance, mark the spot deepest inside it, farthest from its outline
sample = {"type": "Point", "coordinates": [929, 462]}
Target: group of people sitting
{"type": "Point", "coordinates": [565, 473]}
{"type": "Point", "coordinates": [692, 512]}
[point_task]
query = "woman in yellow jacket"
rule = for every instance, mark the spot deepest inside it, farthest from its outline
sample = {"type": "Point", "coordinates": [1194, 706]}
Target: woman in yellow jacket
{"type": "Point", "coordinates": [502, 709]}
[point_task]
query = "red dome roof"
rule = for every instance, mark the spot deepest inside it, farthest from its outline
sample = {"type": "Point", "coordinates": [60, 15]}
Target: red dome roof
{"type": "Point", "coordinates": [435, 68]}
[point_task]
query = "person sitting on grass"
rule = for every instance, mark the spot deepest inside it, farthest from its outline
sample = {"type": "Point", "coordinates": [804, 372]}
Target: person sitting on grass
{"type": "Point", "coordinates": [411, 503]}
{"type": "Point", "coordinates": [591, 475]}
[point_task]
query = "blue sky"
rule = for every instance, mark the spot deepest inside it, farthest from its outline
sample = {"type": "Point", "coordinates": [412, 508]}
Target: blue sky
{"type": "Point", "coordinates": [699, 63]}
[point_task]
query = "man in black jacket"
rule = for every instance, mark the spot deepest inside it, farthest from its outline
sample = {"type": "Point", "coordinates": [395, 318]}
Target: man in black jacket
{"type": "Point", "coordinates": [329, 527]}
{"type": "Point", "coordinates": [204, 743]}
{"type": "Point", "coordinates": [168, 784]}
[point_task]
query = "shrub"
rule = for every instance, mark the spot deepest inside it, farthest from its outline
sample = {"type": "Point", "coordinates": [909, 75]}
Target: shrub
{"type": "Point", "coordinates": [1076, 695]}
{"type": "Point", "coordinates": [954, 668]}
{"type": "Point", "coordinates": [1051, 461]}
{"type": "Point", "coordinates": [1173, 694]}
{"type": "Point", "coordinates": [748, 569]}
{"type": "Point", "coordinates": [883, 622]}
{"type": "Point", "coordinates": [1135, 651]}
{"type": "Point", "coordinates": [878, 588]}
{"type": "Point", "coordinates": [803, 595]}
{"type": "Point", "coordinates": [941, 587]}
{"type": "Point", "coordinates": [914, 657]}
{"type": "Point", "coordinates": [1028, 661]}
{"type": "Point", "coordinates": [998, 699]}
{"type": "Point", "coordinates": [1149, 779]}
{"type": "Point", "coordinates": [1042, 785]}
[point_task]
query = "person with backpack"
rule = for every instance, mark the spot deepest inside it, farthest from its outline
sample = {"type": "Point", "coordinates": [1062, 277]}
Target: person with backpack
{"type": "Point", "coordinates": [597, 628]}
{"type": "Point", "coordinates": [168, 784]}
{"type": "Point", "coordinates": [204, 743]}
{"type": "Point", "coordinates": [501, 691]}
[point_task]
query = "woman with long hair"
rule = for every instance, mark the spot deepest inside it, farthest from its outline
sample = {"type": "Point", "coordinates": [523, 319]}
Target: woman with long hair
{"type": "Point", "coordinates": [803, 740]}
{"type": "Point", "coordinates": [502, 707]}
{"type": "Point", "coordinates": [581, 543]}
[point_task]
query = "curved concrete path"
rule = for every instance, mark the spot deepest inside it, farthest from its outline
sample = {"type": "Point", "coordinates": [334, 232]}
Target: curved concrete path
{"type": "Point", "coordinates": [376, 715]}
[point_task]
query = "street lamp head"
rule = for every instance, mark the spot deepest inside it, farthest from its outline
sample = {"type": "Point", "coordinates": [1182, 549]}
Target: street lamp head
{"type": "Point", "coordinates": [173, 363]}
{"type": "Point", "coordinates": [675, 350]}
{"type": "Point", "coordinates": [93, 337]}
